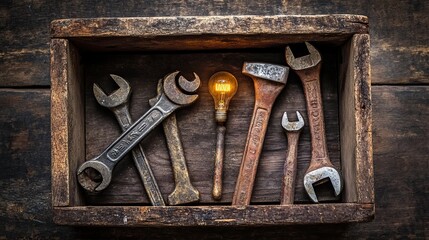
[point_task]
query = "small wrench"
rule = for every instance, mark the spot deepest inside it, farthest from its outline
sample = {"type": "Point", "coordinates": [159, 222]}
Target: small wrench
{"type": "Point", "coordinates": [308, 69]}
{"type": "Point", "coordinates": [118, 103]}
{"type": "Point", "coordinates": [171, 99]}
{"type": "Point", "coordinates": [293, 131]}
{"type": "Point", "coordinates": [184, 192]}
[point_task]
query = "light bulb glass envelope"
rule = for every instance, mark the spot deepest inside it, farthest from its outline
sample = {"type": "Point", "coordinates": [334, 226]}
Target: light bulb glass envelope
{"type": "Point", "coordinates": [222, 86]}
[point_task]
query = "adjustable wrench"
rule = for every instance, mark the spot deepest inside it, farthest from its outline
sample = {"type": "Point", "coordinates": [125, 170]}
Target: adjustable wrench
{"type": "Point", "coordinates": [293, 130]}
{"type": "Point", "coordinates": [171, 99]}
{"type": "Point", "coordinates": [118, 103]}
{"type": "Point", "coordinates": [184, 192]}
{"type": "Point", "coordinates": [321, 168]}
{"type": "Point", "coordinates": [269, 80]}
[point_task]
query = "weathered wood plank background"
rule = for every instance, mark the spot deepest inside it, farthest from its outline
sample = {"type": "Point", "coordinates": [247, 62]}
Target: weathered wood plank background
{"type": "Point", "coordinates": [400, 74]}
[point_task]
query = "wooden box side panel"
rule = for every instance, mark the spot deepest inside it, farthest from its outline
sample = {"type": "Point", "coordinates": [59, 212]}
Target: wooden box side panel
{"type": "Point", "coordinates": [262, 215]}
{"type": "Point", "coordinates": [197, 25]}
{"type": "Point", "coordinates": [363, 116]}
{"type": "Point", "coordinates": [67, 122]}
{"type": "Point", "coordinates": [205, 32]}
{"type": "Point", "coordinates": [355, 123]}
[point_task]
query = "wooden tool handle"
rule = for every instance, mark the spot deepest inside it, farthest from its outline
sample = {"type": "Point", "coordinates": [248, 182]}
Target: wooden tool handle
{"type": "Point", "coordinates": [218, 166]}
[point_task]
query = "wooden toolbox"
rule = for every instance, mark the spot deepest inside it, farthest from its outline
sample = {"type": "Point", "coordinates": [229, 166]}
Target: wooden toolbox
{"type": "Point", "coordinates": [143, 50]}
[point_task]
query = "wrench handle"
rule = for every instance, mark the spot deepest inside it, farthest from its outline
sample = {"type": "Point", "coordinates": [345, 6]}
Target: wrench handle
{"type": "Point", "coordinates": [310, 79]}
{"type": "Point", "coordinates": [184, 191]}
{"type": "Point", "coordinates": [289, 169]}
{"type": "Point", "coordinates": [266, 93]}
{"type": "Point", "coordinates": [218, 165]}
{"type": "Point", "coordinates": [123, 116]}
{"type": "Point", "coordinates": [139, 130]}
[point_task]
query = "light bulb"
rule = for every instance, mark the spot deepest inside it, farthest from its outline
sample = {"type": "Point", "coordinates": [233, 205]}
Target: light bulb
{"type": "Point", "coordinates": [222, 87]}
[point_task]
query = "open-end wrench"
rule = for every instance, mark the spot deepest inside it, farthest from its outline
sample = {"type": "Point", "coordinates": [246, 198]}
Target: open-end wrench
{"type": "Point", "coordinates": [171, 99]}
{"type": "Point", "coordinates": [269, 80]}
{"type": "Point", "coordinates": [293, 130]}
{"type": "Point", "coordinates": [184, 192]}
{"type": "Point", "coordinates": [308, 69]}
{"type": "Point", "coordinates": [118, 103]}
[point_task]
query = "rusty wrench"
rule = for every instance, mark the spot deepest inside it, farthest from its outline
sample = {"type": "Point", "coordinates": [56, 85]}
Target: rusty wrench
{"type": "Point", "coordinates": [184, 192]}
{"type": "Point", "coordinates": [321, 168]}
{"type": "Point", "coordinates": [293, 130]}
{"type": "Point", "coordinates": [171, 99]}
{"type": "Point", "coordinates": [118, 103]}
{"type": "Point", "coordinates": [269, 80]}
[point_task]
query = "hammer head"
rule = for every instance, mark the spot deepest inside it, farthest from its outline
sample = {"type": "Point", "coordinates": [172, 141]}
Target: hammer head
{"type": "Point", "coordinates": [267, 71]}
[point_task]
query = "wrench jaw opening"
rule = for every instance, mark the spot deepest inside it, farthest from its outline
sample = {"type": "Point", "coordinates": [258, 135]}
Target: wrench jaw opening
{"type": "Point", "coordinates": [118, 97]}
{"type": "Point", "coordinates": [292, 126]}
{"type": "Point", "coordinates": [176, 93]}
{"type": "Point", "coordinates": [90, 173]}
{"type": "Point", "coordinates": [303, 62]}
{"type": "Point", "coordinates": [321, 174]}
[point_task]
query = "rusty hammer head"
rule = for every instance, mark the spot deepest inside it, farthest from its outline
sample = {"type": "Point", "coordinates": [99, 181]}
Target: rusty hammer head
{"type": "Point", "coordinates": [271, 72]}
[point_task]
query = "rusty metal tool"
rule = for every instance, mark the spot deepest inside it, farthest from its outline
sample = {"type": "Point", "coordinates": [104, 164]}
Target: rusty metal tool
{"type": "Point", "coordinates": [184, 192]}
{"type": "Point", "coordinates": [293, 131]}
{"type": "Point", "coordinates": [308, 69]}
{"type": "Point", "coordinates": [171, 99]}
{"type": "Point", "coordinates": [118, 103]}
{"type": "Point", "coordinates": [269, 80]}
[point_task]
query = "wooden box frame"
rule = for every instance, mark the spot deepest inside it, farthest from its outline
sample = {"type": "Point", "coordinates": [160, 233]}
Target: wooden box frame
{"type": "Point", "coordinates": [201, 33]}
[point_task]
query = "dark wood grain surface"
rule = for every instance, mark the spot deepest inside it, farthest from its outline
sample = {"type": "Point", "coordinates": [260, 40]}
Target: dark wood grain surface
{"type": "Point", "coordinates": [400, 73]}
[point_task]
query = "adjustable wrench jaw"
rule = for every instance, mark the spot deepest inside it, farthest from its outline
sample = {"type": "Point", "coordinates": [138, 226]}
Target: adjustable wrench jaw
{"type": "Point", "coordinates": [318, 175]}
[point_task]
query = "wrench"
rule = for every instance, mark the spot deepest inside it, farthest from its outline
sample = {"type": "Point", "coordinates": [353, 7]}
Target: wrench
{"type": "Point", "coordinates": [321, 168]}
{"type": "Point", "coordinates": [184, 192]}
{"type": "Point", "coordinates": [293, 130]}
{"type": "Point", "coordinates": [118, 103]}
{"type": "Point", "coordinates": [269, 80]}
{"type": "Point", "coordinates": [171, 99]}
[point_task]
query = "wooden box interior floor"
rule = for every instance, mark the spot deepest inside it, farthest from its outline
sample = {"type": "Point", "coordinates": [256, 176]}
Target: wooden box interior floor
{"type": "Point", "coordinates": [197, 125]}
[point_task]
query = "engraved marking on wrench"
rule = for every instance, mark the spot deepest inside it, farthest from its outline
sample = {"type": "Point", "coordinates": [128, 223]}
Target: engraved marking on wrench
{"type": "Point", "coordinates": [117, 150]}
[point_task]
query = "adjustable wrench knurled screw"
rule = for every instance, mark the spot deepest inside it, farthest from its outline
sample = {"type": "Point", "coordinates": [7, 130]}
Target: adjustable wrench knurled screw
{"type": "Point", "coordinates": [118, 103]}
{"type": "Point", "coordinates": [293, 131]}
{"type": "Point", "coordinates": [171, 99]}
{"type": "Point", "coordinates": [308, 69]}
